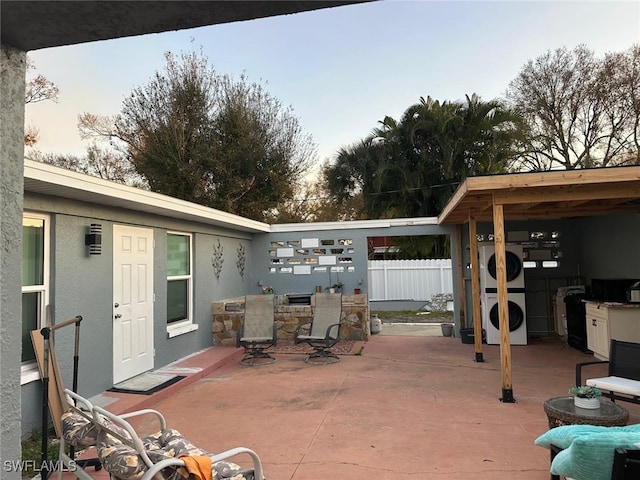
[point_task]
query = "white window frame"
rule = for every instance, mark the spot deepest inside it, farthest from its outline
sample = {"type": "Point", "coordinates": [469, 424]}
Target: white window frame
{"type": "Point", "coordinates": [29, 371]}
{"type": "Point", "coordinates": [183, 326]}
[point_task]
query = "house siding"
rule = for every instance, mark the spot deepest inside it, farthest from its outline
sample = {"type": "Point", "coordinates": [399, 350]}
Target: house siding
{"type": "Point", "coordinates": [612, 247]}
{"type": "Point", "coordinates": [83, 285]}
{"type": "Point", "coordinates": [289, 283]}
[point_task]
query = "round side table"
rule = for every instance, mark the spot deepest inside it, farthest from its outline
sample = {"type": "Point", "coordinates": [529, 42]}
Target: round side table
{"type": "Point", "coordinates": [562, 411]}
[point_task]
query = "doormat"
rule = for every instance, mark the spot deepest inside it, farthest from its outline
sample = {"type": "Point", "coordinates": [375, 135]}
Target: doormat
{"type": "Point", "coordinates": [146, 384]}
{"type": "Point", "coordinates": [344, 347]}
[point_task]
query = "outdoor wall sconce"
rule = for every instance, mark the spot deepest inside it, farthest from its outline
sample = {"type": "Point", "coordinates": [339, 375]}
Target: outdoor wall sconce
{"type": "Point", "coordinates": [93, 239]}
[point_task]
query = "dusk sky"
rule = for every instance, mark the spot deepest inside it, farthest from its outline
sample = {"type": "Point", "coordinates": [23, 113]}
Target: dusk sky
{"type": "Point", "coordinates": [341, 69]}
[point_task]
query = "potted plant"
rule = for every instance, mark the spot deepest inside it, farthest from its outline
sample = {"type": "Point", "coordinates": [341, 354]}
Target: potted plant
{"type": "Point", "coordinates": [585, 396]}
{"type": "Point", "coordinates": [336, 287]}
{"type": "Point", "coordinates": [447, 329]}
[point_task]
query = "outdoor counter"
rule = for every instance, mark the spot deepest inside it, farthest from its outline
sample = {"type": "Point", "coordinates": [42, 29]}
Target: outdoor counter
{"type": "Point", "coordinates": [229, 313]}
{"type": "Point", "coordinates": [608, 320]}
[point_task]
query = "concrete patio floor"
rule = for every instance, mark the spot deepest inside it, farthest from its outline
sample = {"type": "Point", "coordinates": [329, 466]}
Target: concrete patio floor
{"type": "Point", "coordinates": [408, 407]}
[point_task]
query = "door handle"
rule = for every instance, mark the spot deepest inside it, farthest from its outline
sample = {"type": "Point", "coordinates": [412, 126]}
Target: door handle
{"type": "Point", "coordinates": [118, 315]}
{"type": "Point", "coordinates": [594, 322]}
{"type": "Point", "coordinates": [116, 305]}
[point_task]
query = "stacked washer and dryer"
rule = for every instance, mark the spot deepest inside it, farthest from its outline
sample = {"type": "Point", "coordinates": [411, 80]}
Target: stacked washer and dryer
{"type": "Point", "coordinates": [516, 294]}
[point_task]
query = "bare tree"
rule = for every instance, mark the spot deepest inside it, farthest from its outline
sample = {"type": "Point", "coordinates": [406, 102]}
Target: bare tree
{"type": "Point", "coordinates": [574, 105]}
{"type": "Point", "coordinates": [622, 74]}
{"type": "Point", "coordinates": [98, 162]}
{"type": "Point", "coordinates": [37, 89]}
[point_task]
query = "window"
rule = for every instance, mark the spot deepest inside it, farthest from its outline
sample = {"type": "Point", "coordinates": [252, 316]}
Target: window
{"type": "Point", "coordinates": [35, 286]}
{"type": "Point", "coordinates": [179, 283]}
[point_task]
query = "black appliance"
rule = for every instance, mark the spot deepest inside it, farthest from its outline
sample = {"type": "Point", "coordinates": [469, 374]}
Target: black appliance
{"type": "Point", "coordinates": [611, 289]}
{"type": "Point", "coordinates": [576, 321]}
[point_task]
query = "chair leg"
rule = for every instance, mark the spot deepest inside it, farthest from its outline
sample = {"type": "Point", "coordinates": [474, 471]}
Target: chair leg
{"type": "Point", "coordinates": [322, 356]}
{"type": "Point", "coordinates": [257, 356]}
{"type": "Point", "coordinates": [553, 450]}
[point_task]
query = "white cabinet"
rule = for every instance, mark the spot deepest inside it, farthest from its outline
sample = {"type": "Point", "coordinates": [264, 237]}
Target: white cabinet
{"type": "Point", "coordinates": [597, 332]}
{"type": "Point", "coordinates": [605, 322]}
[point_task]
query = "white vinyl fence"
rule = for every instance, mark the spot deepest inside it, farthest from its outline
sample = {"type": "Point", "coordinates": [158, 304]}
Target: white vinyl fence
{"type": "Point", "coordinates": [409, 279]}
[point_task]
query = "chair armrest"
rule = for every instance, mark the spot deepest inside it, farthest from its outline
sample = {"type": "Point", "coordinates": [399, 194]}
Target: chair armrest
{"type": "Point", "coordinates": [583, 364]}
{"type": "Point", "coordinates": [300, 327]}
{"type": "Point", "coordinates": [147, 411]}
{"type": "Point", "coordinates": [330, 328]}
{"type": "Point", "coordinates": [239, 335]}
{"type": "Point", "coordinates": [257, 464]}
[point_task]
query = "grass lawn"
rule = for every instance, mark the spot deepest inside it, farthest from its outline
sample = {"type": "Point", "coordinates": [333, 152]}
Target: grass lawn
{"type": "Point", "coordinates": [414, 316]}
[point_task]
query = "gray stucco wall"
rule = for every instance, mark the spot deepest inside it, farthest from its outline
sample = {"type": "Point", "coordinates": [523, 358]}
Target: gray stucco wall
{"type": "Point", "coordinates": [611, 246]}
{"type": "Point", "coordinates": [290, 283]}
{"type": "Point", "coordinates": [12, 85]}
{"type": "Point", "coordinates": [83, 285]}
{"type": "Point", "coordinates": [207, 289]}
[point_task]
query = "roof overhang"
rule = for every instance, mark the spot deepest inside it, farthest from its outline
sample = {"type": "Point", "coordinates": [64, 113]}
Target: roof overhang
{"type": "Point", "coordinates": [546, 195]}
{"type": "Point", "coordinates": [354, 224]}
{"type": "Point", "coordinates": [53, 181]}
{"type": "Point", "coordinates": [31, 25]}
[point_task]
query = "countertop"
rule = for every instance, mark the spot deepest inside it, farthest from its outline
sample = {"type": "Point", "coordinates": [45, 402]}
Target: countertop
{"type": "Point", "coordinates": [600, 304]}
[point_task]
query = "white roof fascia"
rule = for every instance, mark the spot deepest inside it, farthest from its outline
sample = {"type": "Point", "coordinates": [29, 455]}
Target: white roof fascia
{"type": "Point", "coordinates": [50, 180]}
{"type": "Point", "coordinates": [355, 224]}
{"type": "Point", "coordinates": [59, 182]}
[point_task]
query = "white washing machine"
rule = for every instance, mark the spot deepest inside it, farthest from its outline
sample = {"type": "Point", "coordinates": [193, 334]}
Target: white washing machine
{"type": "Point", "coordinates": [517, 318]}
{"type": "Point", "coordinates": [513, 267]}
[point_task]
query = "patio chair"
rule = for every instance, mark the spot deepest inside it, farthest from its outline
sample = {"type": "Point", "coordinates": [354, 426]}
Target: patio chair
{"type": "Point", "coordinates": [258, 330]}
{"type": "Point", "coordinates": [165, 455]}
{"type": "Point", "coordinates": [323, 332]}
{"type": "Point", "coordinates": [623, 380]}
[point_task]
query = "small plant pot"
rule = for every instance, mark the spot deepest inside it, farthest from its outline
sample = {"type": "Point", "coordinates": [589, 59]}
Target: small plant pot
{"type": "Point", "coordinates": [591, 403]}
{"type": "Point", "coordinates": [447, 329]}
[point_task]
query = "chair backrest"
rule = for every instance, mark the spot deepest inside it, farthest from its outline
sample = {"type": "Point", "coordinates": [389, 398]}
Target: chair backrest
{"type": "Point", "coordinates": [258, 316]}
{"type": "Point", "coordinates": [624, 359]}
{"type": "Point", "coordinates": [328, 311]}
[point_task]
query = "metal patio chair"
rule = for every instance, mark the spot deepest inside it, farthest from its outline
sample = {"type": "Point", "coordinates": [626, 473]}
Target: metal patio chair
{"type": "Point", "coordinates": [258, 331]}
{"type": "Point", "coordinates": [323, 332]}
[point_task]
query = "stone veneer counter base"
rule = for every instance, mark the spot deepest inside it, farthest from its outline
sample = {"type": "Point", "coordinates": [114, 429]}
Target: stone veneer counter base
{"type": "Point", "coordinates": [228, 316]}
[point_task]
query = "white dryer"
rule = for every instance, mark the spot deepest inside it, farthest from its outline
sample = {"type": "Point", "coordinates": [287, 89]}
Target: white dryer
{"type": "Point", "coordinates": [517, 318]}
{"type": "Point", "coordinates": [513, 267]}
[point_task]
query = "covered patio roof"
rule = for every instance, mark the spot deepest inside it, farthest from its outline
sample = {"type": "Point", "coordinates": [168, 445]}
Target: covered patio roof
{"type": "Point", "coordinates": [544, 195]}
{"type": "Point", "coordinates": [532, 196]}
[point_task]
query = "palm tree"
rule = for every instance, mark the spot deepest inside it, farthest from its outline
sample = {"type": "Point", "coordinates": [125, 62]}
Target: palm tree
{"type": "Point", "coordinates": [412, 166]}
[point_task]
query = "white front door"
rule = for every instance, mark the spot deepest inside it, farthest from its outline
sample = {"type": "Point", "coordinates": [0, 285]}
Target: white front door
{"type": "Point", "coordinates": [132, 301]}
